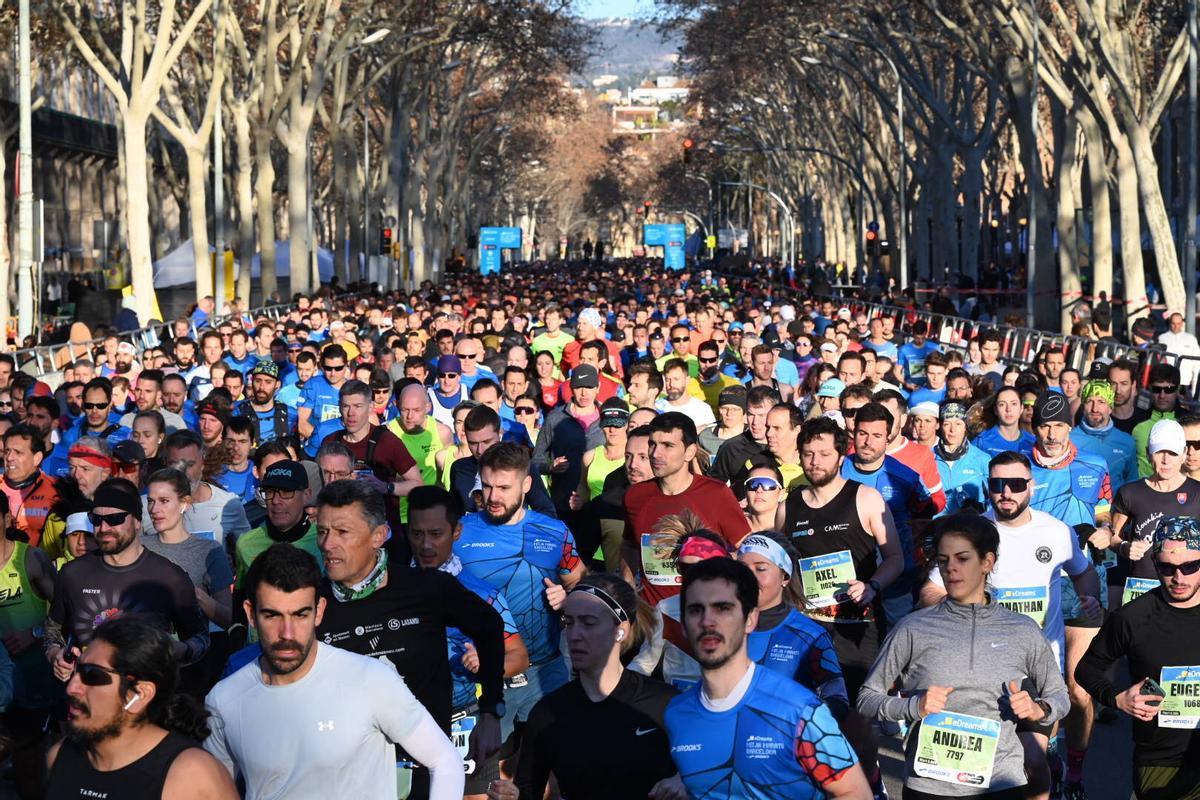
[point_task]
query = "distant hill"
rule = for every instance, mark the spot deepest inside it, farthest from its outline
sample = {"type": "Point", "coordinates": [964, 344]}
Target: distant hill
{"type": "Point", "coordinates": [631, 49]}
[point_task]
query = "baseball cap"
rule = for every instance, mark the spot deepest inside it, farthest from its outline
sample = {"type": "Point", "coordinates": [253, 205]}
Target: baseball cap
{"type": "Point", "coordinates": [337, 325]}
{"type": "Point", "coordinates": [128, 452]}
{"type": "Point", "coordinates": [449, 363]}
{"type": "Point", "coordinates": [1167, 434]}
{"type": "Point", "coordinates": [265, 367]}
{"type": "Point", "coordinates": [285, 475]}
{"type": "Point", "coordinates": [828, 347]}
{"type": "Point", "coordinates": [832, 387]}
{"type": "Point", "coordinates": [585, 376]}
{"type": "Point", "coordinates": [1052, 407]}
{"type": "Point", "coordinates": [614, 413]}
{"type": "Point", "coordinates": [732, 396]}
{"type": "Point", "coordinates": [79, 522]}
{"type": "Point", "coordinates": [926, 408]}
{"type": "Point", "coordinates": [844, 313]}
{"type": "Point", "coordinates": [1099, 369]}
{"type": "Point", "coordinates": [736, 326]}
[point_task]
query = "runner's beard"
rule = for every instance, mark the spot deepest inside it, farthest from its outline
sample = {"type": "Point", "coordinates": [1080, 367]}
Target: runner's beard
{"type": "Point", "coordinates": [90, 739]}
{"type": "Point", "coordinates": [819, 479]}
{"type": "Point", "coordinates": [1005, 516]}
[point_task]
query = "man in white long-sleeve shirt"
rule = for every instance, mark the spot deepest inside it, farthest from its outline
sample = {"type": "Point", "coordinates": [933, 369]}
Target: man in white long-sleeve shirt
{"type": "Point", "coordinates": [306, 720]}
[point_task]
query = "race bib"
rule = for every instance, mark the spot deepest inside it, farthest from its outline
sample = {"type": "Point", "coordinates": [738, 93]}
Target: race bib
{"type": "Point", "coordinates": [1029, 601]}
{"type": "Point", "coordinates": [1181, 707]}
{"type": "Point", "coordinates": [957, 748]}
{"type": "Point", "coordinates": [460, 734]}
{"type": "Point", "coordinates": [826, 578]}
{"type": "Point", "coordinates": [658, 559]}
{"type": "Point", "coordinates": [1136, 587]}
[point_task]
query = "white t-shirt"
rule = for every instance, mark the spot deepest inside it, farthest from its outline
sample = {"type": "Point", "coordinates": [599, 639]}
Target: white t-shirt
{"type": "Point", "coordinates": [1026, 576]}
{"type": "Point", "coordinates": [329, 734]}
{"type": "Point", "coordinates": [700, 412]}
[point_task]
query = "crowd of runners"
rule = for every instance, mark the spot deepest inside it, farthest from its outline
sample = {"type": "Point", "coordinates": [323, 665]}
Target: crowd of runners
{"type": "Point", "coordinates": [596, 532]}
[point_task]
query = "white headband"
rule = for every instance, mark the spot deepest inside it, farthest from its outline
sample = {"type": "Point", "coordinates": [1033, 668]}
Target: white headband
{"type": "Point", "coordinates": [768, 549]}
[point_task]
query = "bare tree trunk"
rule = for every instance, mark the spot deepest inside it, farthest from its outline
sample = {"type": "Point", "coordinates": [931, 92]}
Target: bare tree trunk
{"type": "Point", "coordinates": [244, 192]}
{"type": "Point", "coordinates": [1158, 224]}
{"type": "Point", "coordinates": [5, 251]}
{"type": "Point", "coordinates": [1131, 233]}
{"type": "Point", "coordinates": [298, 200]}
{"type": "Point", "coordinates": [264, 189]}
{"type": "Point", "coordinates": [137, 217]}
{"type": "Point", "coordinates": [1101, 251]}
{"type": "Point", "coordinates": [198, 220]}
{"type": "Point", "coordinates": [1067, 175]}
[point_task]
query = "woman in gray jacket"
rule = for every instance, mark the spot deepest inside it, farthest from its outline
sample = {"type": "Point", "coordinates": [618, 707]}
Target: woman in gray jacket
{"type": "Point", "coordinates": [968, 671]}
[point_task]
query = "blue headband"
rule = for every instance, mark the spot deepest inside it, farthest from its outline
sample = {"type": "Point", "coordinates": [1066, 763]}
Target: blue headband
{"type": "Point", "coordinates": [769, 549]}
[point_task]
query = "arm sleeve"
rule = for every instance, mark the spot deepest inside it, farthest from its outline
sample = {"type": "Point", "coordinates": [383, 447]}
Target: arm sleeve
{"type": "Point", "coordinates": [826, 675]}
{"type": "Point", "coordinates": [233, 519]}
{"type": "Point", "coordinates": [216, 567]}
{"type": "Point", "coordinates": [821, 748]}
{"type": "Point", "coordinates": [41, 572]}
{"type": "Point", "coordinates": [1092, 671]}
{"type": "Point", "coordinates": [535, 764]}
{"type": "Point", "coordinates": [1079, 561]}
{"type": "Point", "coordinates": [538, 497]}
{"type": "Point", "coordinates": [873, 699]}
{"type": "Point", "coordinates": [480, 622]}
{"type": "Point", "coordinates": [540, 461]}
{"type": "Point", "coordinates": [191, 626]}
{"type": "Point", "coordinates": [403, 720]}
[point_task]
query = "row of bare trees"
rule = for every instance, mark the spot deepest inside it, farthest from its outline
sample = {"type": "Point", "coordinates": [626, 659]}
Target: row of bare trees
{"type": "Point", "coordinates": [455, 98]}
{"type": "Point", "coordinates": [796, 84]}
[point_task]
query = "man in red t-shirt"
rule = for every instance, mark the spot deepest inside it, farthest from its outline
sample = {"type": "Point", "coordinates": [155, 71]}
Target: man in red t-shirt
{"type": "Point", "coordinates": [380, 458]}
{"type": "Point", "coordinates": [673, 444]}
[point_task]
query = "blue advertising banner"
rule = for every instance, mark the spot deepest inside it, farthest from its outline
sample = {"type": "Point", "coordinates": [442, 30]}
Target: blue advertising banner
{"type": "Point", "coordinates": [670, 237]}
{"type": "Point", "coordinates": [491, 242]}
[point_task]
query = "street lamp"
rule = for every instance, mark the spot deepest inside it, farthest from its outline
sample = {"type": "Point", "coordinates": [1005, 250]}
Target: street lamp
{"type": "Point", "coordinates": [902, 166]}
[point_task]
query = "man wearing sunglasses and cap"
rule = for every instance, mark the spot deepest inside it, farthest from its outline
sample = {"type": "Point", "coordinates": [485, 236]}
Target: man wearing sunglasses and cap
{"type": "Point", "coordinates": [122, 578]}
{"type": "Point", "coordinates": [1165, 403]}
{"type": "Point", "coordinates": [1159, 636]}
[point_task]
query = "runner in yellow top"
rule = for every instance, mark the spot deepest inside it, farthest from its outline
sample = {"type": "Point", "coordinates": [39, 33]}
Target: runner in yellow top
{"type": "Point", "coordinates": [608, 457]}
{"type": "Point", "coordinates": [423, 435]}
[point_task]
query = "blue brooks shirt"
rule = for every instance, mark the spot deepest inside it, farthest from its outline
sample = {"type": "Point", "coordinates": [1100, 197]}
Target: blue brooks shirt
{"type": "Point", "coordinates": [778, 743]}
{"type": "Point", "coordinates": [516, 558]}
{"type": "Point", "coordinates": [902, 490]}
{"type": "Point", "coordinates": [463, 680]}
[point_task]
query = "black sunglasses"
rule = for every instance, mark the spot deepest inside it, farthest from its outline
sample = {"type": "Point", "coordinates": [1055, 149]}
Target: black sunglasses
{"type": "Point", "coordinates": [91, 406]}
{"type": "Point", "coordinates": [111, 520]}
{"type": "Point", "coordinates": [1186, 568]}
{"type": "Point", "coordinates": [333, 367]}
{"type": "Point", "coordinates": [96, 675]}
{"type": "Point", "coordinates": [1192, 444]}
{"type": "Point", "coordinates": [1164, 389]}
{"type": "Point", "coordinates": [681, 339]}
{"type": "Point", "coordinates": [447, 374]}
{"type": "Point", "coordinates": [704, 360]}
{"type": "Point", "coordinates": [1016, 485]}
{"type": "Point", "coordinates": [469, 356]}
{"type": "Point", "coordinates": [521, 411]}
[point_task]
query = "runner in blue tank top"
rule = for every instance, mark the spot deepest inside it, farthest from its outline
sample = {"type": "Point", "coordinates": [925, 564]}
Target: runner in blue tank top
{"type": "Point", "coordinates": [745, 732]}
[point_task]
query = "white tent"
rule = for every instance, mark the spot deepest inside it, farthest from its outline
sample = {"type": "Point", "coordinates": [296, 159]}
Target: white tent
{"type": "Point", "coordinates": [178, 268]}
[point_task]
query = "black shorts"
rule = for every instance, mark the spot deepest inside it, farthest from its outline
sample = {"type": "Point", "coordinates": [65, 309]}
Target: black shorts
{"type": "Point", "coordinates": [478, 780]}
{"type": "Point", "coordinates": [856, 645]}
{"type": "Point", "coordinates": [1087, 622]}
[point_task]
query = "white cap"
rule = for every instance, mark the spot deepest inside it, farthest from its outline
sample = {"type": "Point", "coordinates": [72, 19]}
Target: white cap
{"type": "Point", "coordinates": [844, 313]}
{"type": "Point", "coordinates": [787, 312]}
{"type": "Point", "coordinates": [926, 408]}
{"type": "Point", "coordinates": [592, 317]}
{"type": "Point", "coordinates": [828, 347]}
{"type": "Point", "coordinates": [78, 522]}
{"type": "Point", "coordinates": [1167, 434]}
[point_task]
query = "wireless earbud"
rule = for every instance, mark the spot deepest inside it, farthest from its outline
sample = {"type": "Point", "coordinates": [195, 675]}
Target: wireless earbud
{"type": "Point", "coordinates": [132, 700]}
{"type": "Point", "coordinates": [620, 636]}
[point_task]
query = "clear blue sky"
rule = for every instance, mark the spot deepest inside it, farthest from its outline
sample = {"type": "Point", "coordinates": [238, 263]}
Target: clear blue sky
{"type": "Point", "coordinates": [599, 9]}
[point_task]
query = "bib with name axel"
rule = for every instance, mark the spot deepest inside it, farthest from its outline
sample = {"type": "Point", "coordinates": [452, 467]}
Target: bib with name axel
{"type": "Point", "coordinates": [1029, 601]}
{"type": "Point", "coordinates": [826, 578]}
{"type": "Point", "coordinates": [1181, 706]}
{"type": "Point", "coordinates": [957, 748]}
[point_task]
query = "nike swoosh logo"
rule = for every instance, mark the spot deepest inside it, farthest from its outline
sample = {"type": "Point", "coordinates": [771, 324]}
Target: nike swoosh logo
{"type": "Point", "coordinates": [640, 732]}
{"type": "Point", "coordinates": [997, 644]}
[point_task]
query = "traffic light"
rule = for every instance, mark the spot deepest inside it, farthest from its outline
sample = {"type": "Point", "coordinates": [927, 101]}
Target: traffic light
{"type": "Point", "coordinates": [688, 146]}
{"type": "Point", "coordinates": [385, 241]}
{"type": "Point", "coordinates": [646, 208]}
{"type": "Point", "coordinates": [872, 240]}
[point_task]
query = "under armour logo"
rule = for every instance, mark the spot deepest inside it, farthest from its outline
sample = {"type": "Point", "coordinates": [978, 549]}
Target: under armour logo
{"type": "Point", "coordinates": [325, 726]}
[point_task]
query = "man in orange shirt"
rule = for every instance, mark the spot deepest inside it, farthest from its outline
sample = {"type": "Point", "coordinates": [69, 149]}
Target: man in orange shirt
{"type": "Point", "coordinates": [30, 491]}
